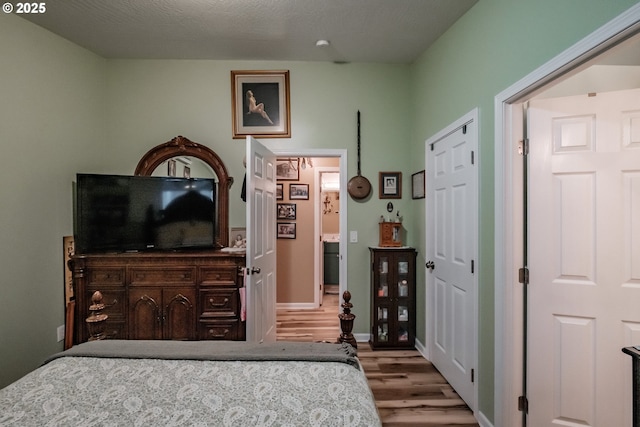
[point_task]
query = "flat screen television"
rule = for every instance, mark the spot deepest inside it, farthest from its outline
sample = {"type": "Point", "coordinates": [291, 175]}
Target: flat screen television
{"type": "Point", "coordinates": [117, 213]}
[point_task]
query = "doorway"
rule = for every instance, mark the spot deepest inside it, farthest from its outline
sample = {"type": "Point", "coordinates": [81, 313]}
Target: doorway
{"type": "Point", "coordinates": [337, 159]}
{"type": "Point", "coordinates": [328, 208]}
{"type": "Point", "coordinates": [511, 252]}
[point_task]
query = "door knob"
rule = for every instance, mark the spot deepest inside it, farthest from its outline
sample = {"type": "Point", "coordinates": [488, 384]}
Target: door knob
{"type": "Point", "coordinates": [430, 265]}
{"type": "Point", "coordinates": [254, 270]}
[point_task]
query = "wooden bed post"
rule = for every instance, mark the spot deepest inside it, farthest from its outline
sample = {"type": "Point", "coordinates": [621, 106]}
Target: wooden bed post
{"type": "Point", "coordinates": [96, 320]}
{"type": "Point", "coordinates": [346, 321]}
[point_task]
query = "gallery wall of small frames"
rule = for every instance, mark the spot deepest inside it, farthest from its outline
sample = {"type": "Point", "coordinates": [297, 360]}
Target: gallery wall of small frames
{"type": "Point", "coordinates": [288, 170]}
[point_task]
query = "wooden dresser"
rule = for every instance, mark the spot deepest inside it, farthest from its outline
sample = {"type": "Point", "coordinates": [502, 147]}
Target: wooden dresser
{"type": "Point", "coordinates": [181, 295]}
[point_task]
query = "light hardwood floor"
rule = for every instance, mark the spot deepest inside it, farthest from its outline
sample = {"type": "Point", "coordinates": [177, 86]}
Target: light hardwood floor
{"type": "Point", "coordinates": [408, 389]}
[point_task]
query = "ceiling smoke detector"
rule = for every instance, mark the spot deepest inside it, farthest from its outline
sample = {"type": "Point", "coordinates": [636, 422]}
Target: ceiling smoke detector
{"type": "Point", "coordinates": [322, 43]}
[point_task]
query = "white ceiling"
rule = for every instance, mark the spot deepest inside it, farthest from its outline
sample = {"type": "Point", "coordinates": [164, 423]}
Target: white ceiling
{"type": "Point", "coordinates": [384, 31]}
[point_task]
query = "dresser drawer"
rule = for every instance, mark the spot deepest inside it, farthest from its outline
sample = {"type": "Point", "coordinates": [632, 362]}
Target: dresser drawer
{"type": "Point", "coordinates": [169, 275]}
{"type": "Point", "coordinates": [106, 276]}
{"type": "Point", "coordinates": [219, 303]}
{"type": "Point", "coordinates": [216, 276]}
{"type": "Point", "coordinates": [226, 330]}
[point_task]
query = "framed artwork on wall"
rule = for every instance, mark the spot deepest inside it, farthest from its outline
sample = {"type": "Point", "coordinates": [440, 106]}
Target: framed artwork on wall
{"type": "Point", "coordinates": [286, 211]}
{"type": "Point", "coordinates": [260, 104]}
{"type": "Point", "coordinates": [299, 191]}
{"type": "Point", "coordinates": [279, 192]}
{"type": "Point", "coordinates": [287, 169]}
{"type": "Point", "coordinates": [286, 230]}
{"type": "Point", "coordinates": [417, 185]}
{"type": "Point", "coordinates": [390, 185]}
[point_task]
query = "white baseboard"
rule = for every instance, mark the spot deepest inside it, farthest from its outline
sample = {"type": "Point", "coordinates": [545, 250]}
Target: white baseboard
{"type": "Point", "coordinates": [295, 306]}
{"type": "Point", "coordinates": [361, 337]}
{"type": "Point", "coordinates": [421, 349]}
{"type": "Point", "coordinates": [482, 420]}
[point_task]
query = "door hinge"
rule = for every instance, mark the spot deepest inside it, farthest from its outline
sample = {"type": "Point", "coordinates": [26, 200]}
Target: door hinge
{"type": "Point", "coordinates": [523, 404]}
{"type": "Point", "coordinates": [473, 375]}
{"type": "Point", "coordinates": [464, 129]}
{"type": "Point", "coordinates": [473, 157]}
{"type": "Point", "coordinates": [523, 275]}
{"type": "Point", "coordinates": [473, 266]}
{"type": "Point", "coordinates": [523, 147]}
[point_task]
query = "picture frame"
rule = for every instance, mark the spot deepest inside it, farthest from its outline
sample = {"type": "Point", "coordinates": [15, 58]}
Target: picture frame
{"type": "Point", "coordinates": [286, 230]}
{"type": "Point", "coordinates": [260, 104]}
{"type": "Point", "coordinates": [235, 234]}
{"type": "Point", "coordinates": [418, 185]}
{"type": "Point", "coordinates": [279, 192]}
{"type": "Point", "coordinates": [288, 169]}
{"type": "Point", "coordinates": [390, 185]}
{"type": "Point", "coordinates": [172, 165]}
{"type": "Point", "coordinates": [68, 244]}
{"type": "Point", "coordinates": [298, 191]}
{"type": "Point", "coordinates": [286, 211]}
{"type": "Point", "coordinates": [186, 172]}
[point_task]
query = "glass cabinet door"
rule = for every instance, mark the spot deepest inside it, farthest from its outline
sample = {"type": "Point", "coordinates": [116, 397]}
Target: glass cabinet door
{"type": "Point", "coordinates": [383, 324]}
{"type": "Point", "coordinates": [393, 298]}
{"type": "Point", "coordinates": [383, 275]}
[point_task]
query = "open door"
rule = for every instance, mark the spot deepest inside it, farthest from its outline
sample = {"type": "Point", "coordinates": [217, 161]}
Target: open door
{"type": "Point", "coordinates": [260, 277]}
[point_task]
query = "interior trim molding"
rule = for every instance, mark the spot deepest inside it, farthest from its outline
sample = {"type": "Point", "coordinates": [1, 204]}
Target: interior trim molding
{"type": "Point", "coordinates": [508, 246]}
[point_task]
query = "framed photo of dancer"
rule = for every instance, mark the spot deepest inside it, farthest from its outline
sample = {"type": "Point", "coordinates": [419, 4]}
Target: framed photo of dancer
{"type": "Point", "coordinates": [260, 104]}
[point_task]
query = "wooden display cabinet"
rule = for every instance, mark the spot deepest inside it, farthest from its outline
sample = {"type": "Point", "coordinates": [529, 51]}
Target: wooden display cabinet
{"type": "Point", "coordinates": [393, 300]}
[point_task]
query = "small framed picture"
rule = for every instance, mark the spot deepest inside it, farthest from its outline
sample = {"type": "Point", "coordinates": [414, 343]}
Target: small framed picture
{"type": "Point", "coordinates": [171, 167]}
{"type": "Point", "coordinates": [390, 185]}
{"type": "Point", "coordinates": [299, 191]}
{"type": "Point", "coordinates": [186, 172]}
{"type": "Point", "coordinates": [417, 185]}
{"type": "Point", "coordinates": [238, 237]}
{"type": "Point", "coordinates": [286, 230]}
{"type": "Point", "coordinates": [287, 169]}
{"type": "Point", "coordinates": [286, 211]}
{"type": "Point", "coordinates": [279, 192]}
{"type": "Point", "coordinates": [260, 104]}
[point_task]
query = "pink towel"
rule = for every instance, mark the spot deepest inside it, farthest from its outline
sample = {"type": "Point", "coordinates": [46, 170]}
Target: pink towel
{"type": "Point", "coordinates": [243, 310]}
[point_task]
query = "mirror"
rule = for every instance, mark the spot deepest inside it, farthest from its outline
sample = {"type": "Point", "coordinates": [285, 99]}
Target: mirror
{"type": "Point", "coordinates": [203, 161]}
{"type": "Point", "coordinates": [185, 166]}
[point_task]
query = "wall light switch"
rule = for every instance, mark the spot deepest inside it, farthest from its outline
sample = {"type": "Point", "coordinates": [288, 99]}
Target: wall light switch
{"type": "Point", "coordinates": [353, 236]}
{"type": "Point", "coordinates": [60, 332]}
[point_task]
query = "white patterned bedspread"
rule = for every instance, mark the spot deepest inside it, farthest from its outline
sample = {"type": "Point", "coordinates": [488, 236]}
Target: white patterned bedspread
{"type": "Point", "coordinates": [88, 391]}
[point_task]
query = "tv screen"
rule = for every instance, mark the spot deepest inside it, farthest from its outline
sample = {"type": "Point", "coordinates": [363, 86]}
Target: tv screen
{"type": "Point", "coordinates": [117, 213]}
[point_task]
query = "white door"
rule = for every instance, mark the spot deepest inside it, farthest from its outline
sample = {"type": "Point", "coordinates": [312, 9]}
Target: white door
{"type": "Point", "coordinates": [451, 215]}
{"type": "Point", "coordinates": [584, 258]}
{"type": "Point", "coordinates": [260, 279]}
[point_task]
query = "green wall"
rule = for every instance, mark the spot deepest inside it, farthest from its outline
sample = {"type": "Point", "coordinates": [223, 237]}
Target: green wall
{"type": "Point", "coordinates": [491, 47]}
{"type": "Point", "coordinates": [64, 110]}
{"type": "Point", "coordinates": [150, 102]}
{"type": "Point", "coordinates": [51, 122]}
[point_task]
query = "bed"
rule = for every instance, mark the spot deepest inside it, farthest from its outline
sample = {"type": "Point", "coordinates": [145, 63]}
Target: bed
{"type": "Point", "coordinates": [193, 383]}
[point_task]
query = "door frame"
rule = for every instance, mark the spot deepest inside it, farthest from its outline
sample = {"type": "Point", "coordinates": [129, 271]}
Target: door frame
{"type": "Point", "coordinates": [508, 204]}
{"type": "Point", "coordinates": [319, 261]}
{"type": "Point", "coordinates": [341, 154]}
